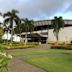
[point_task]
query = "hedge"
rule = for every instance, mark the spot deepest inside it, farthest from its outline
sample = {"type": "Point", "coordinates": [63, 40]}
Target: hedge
{"type": "Point", "coordinates": [67, 47]}
{"type": "Point", "coordinates": [20, 45]}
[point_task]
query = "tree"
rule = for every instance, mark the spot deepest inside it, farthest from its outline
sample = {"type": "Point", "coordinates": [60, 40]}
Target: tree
{"type": "Point", "coordinates": [10, 18]}
{"type": "Point", "coordinates": [6, 30]}
{"type": "Point", "coordinates": [18, 28]}
{"type": "Point", "coordinates": [27, 26]}
{"type": "Point", "coordinates": [57, 23]}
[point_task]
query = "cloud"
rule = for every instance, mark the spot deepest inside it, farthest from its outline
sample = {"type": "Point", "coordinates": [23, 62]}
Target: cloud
{"type": "Point", "coordinates": [36, 9]}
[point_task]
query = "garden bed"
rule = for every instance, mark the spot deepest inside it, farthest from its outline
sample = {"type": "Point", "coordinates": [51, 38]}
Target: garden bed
{"type": "Point", "coordinates": [20, 45]}
{"type": "Point", "coordinates": [67, 47]}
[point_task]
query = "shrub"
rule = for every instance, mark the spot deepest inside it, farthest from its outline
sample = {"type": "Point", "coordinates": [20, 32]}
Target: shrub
{"type": "Point", "coordinates": [52, 42]}
{"type": "Point", "coordinates": [68, 47]}
{"type": "Point", "coordinates": [20, 45]}
{"type": "Point", "coordinates": [4, 59]}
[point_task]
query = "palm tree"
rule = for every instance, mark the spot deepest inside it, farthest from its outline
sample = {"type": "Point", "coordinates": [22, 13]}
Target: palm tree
{"type": "Point", "coordinates": [18, 28]}
{"type": "Point", "coordinates": [57, 23]}
{"type": "Point", "coordinates": [11, 17]}
{"type": "Point", "coordinates": [27, 27]}
{"type": "Point", "coordinates": [6, 30]}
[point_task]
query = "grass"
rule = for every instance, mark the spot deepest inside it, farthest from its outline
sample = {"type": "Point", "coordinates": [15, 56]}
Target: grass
{"type": "Point", "coordinates": [52, 60]}
{"type": "Point", "coordinates": [53, 63]}
{"type": "Point", "coordinates": [37, 52]}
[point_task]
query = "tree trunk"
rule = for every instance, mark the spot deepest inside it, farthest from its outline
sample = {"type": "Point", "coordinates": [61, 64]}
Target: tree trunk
{"type": "Point", "coordinates": [7, 37]}
{"type": "Point", "coordinates": [20, 37]}
{"type": "Point", "coordinates": [31, 35]}
{"type": "Point", "coordinates": [20, 31]}
{"type": "Point", "coordinates": [11, 31]}
{"type": "Point", "coordinates": [26, 38]}
{"type": "Point", "coordinates": [56, 35]}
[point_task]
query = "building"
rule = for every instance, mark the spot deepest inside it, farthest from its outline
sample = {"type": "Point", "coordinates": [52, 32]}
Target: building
{"type": "Point", "coordinates": [44, 32]}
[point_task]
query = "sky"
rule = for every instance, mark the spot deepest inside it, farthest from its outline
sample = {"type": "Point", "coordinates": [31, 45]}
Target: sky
{"type": "Point", "coordinates": [38, 9]}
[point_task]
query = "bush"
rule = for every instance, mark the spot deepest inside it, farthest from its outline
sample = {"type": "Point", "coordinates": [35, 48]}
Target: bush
{"type": "Point", "coordinates": [68, 47]}
{"type": "Point", "coordinates": [52, 42]}
{"type": "Point", "coordinates": [20, 45]}
{"type": "Point", "coordinates": [4, 59]}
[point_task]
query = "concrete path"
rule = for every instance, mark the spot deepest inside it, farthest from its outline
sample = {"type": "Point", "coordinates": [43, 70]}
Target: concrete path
{"type": "Point", "coordinates": [17, 65]}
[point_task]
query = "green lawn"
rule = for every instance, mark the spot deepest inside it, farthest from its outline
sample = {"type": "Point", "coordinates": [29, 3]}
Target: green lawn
{"type": "Point", "coordinates": [49, 60]}
{"type": "Point", "coordinates": [53, 63]}
{"type": "Point", "coordinates": [37, 52]}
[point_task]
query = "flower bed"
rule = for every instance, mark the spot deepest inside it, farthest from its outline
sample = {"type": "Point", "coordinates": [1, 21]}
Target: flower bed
{"type": "Point", "coordinates": [20, 45]}
{"type": "Point", "coordinates": [68, 47]}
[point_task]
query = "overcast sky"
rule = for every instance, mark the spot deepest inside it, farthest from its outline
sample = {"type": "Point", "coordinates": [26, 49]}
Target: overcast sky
{"type": "Point", "coordinates": [39, 9]}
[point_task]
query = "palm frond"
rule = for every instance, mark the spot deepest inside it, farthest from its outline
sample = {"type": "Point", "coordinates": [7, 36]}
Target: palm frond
{"type": "Point", "coordinates": [15, 16]}
{"type": "Point", "coordinates": [7, 14]}
{"type": "Point", "coordinates": [14, 11]}
{"type": "Point", "coordinates": [16, 21]}
{"type": "Point", "coordinates": [22, 20]}
{"type": "Point", "coordinates": [6, 20]}
{"type": "Point", "coordinates": [0, 13]}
